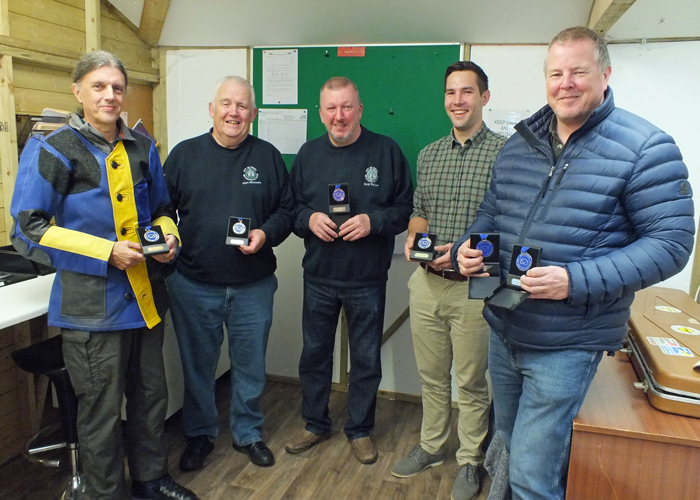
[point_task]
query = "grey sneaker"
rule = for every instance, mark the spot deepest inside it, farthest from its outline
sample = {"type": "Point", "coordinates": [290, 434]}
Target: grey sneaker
{"type": "Point", "coordinates": [416, 462]}
{"type": "Point", "coordinates": [466, 484]}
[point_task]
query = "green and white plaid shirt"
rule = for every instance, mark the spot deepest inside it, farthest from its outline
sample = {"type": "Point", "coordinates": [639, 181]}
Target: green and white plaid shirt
{"type": "Point", "coordinates": [452, 180]}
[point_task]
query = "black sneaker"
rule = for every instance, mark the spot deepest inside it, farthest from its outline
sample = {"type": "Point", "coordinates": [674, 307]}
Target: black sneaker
{"type": "Point", "coordinates": [197, 449]}
{"type": "Point", "coordinates": [257, 452]}
{"type": "Point", "coordinates": [163, 488]}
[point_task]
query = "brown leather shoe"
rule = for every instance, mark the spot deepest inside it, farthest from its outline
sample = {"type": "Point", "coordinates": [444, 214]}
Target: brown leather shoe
{"type": "Point", "coordinates": [305, 441]}
{"type": "Point", "coordinates": [365, 452]}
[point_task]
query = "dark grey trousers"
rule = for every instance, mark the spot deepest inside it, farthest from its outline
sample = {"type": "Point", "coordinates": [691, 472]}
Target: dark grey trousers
{"type": "Point", "coordinates": [104, 367]}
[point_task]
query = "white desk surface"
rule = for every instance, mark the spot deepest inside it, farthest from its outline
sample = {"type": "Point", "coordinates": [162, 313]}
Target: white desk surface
{"type": "Point", "coordinates": [24, 300]}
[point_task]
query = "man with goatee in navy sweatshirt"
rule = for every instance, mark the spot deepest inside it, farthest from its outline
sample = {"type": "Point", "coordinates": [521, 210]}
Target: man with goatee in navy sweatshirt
{"type": "Point", "coordinates": [347, 260]}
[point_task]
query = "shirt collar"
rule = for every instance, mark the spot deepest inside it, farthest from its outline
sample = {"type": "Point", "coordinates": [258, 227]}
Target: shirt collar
{"type": "Point", "coordinates": [474, 140]}
{"type": "Point", "coordinates": [553, 127]}
{"type": "Point", "coordinates": [96, 138]}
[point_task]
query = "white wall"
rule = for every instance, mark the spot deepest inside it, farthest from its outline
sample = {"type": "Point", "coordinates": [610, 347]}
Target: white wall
{"type": "Point", "coordinates": [656, 81]}
{"type": "Point", "coordinates": [191, 76]}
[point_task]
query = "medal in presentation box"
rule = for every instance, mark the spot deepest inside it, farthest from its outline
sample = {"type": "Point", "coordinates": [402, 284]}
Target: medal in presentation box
{"type": "Point", "coordinates": [152, 240]}
{"type": "Point", "coordinates": [238, 230]}
{"type": "Point", "coordinates": [424, 247]}
{"type": "Point", "coordinates": [490, 245]}
{"type": "Point", "coordinates": [510, 294]}
{"type": "Point", "coordinates": [338, 203]}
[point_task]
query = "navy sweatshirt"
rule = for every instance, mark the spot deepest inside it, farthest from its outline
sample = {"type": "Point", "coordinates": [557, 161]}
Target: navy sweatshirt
{"type": "Point", "coordinates": [379, 185]}
{"type": "Point", "coordinates": [209, 183]}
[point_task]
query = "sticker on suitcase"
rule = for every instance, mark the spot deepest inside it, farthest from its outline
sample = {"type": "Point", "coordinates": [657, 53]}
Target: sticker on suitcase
{"type": "Point", "coordinates": [668, 309]}
{"type": "Point", "coordinates": [688, 330]}
{"type": "Point", "coordinates": [663, 341]}
{"type": "Point", "coordinates": [677, 351]}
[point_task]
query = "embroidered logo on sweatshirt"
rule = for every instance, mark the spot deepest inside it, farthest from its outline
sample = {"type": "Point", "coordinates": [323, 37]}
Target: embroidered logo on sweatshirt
{"type": "Point", "coordinates": [250, 174]}
{"type": "Point", "coordinates": [371, 176]}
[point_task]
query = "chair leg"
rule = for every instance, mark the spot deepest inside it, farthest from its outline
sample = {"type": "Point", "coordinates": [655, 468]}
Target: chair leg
{"type": "Point", "coordinates": [29, 452]}
{"type": "Point", "coordinates": [74, 491]}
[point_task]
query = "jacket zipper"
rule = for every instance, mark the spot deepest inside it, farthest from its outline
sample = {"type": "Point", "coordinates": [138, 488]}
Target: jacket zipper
{"type": "Point", "coordinates": [563, 170]}
{"type": "Point", "coordinates": [546, 182]}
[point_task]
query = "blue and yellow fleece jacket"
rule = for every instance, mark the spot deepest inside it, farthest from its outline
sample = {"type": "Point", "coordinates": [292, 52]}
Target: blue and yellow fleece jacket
{"type": "Point", "coordinates": [97, 199]}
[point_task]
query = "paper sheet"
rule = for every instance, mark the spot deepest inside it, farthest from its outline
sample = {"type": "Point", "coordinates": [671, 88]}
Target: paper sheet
{"type": "Point", "coordinates": [284, 128]}
{"type": "Point", "coordinates": [280, 77]}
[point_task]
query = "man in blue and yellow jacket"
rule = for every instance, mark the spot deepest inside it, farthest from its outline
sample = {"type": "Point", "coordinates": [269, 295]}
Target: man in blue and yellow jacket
{"type": "Point", "coordinates": [101, 181]}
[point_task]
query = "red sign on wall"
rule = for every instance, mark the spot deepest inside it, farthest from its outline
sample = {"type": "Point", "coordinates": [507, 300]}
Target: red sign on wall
{"type": "Point", "coordinates": [351, 52]}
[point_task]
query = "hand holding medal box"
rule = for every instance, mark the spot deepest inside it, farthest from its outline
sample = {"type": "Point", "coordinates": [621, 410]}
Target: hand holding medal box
{"type": "Point", "coordinates": [238, 230]}
{"type": "Point", "coordinates": [510, 294]}
{"type": "Point", "coordinates": [152, 240]}
{"type": "Point", "coordinates": [523, 259]}
{"type": "Point", "coordinates": [424, 247]}
{"type": "Point", "coordinates": [338, 203]}
{"type": "Point", "coordinates": [490, 246]}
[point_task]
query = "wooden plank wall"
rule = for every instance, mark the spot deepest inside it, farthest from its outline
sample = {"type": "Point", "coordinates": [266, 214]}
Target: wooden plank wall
{"type": "Point", "coordinates": [61, 24]}
{"type": "Point", "coordinates": [18, 390]}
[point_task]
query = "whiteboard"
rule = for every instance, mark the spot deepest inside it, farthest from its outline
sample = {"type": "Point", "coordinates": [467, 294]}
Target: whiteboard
{"type": "Point", "coordinates": [656, 81]}
{"type": "Point", "coordinates": [191, 76]}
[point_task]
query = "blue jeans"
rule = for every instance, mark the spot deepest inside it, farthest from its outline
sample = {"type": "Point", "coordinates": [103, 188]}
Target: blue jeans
{"type": "Point", "coordinates": [536, 395]}
{"type": "Point", "coordinates": [199, 311]}
{"type": "Point", "coordinates": [364, 309]}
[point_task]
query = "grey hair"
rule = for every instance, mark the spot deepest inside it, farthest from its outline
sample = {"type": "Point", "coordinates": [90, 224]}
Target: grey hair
{"type": "Point", "coordinates": [94, 60]}
{"type": "Point", "coordinates": [340, 82]}
{"type": "Point", "coordinates": [239, 80]}
{"type": "Point", "coordinates": [600, 47]}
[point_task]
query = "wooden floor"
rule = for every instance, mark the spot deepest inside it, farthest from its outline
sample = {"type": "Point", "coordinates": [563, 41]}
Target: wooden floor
{"type": "Point", "coordinates": [329, 471]}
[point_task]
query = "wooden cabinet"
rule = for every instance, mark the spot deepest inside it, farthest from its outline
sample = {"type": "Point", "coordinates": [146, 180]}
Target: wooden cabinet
{"type": "Point", "coordinates": [623, 448]}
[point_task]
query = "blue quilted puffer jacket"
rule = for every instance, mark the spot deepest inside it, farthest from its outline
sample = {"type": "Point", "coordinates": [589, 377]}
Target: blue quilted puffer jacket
{"type": "Point", "coordinates": [615, 210]}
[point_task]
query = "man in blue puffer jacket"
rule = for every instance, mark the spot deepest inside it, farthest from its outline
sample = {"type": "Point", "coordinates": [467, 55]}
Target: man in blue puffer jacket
{"type": "Point", "coordinates": [605, 194]}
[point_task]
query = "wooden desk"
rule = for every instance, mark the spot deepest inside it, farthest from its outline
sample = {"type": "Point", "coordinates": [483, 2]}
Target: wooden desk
{"type": "Point", "coordinates": [623, 448]}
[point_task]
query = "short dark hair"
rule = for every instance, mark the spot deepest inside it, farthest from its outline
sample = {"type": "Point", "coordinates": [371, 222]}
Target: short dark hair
{"type": "Point", "coordinates": [600, 47]}
{"type": "Point", "coordinates": [95, 60]}
{"type": "Point", "coordinates": [481, 79]}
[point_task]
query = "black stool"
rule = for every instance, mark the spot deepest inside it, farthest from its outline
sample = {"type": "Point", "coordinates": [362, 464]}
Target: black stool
{"type": "Point", "coordinates": [46, 358]}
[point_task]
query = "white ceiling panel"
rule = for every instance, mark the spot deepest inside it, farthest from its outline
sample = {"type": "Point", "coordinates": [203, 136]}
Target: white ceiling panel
{"type": "Point", "coordinates": [131, 9]}
{"type": "Point", "coordinates": [242, 23]}
{"type": "Point", "coordinates": [354, 22]}
{"type": "Point", "coordinates": [658, 19]}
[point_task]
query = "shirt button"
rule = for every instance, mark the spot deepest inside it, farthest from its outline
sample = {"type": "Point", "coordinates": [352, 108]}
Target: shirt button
{"type": "Point", "coordinates": [128, 296]}
{"type": "Point", "coordinates": [120, 197]}
{"type": "Point", "coordinates": [559, 146]}
{"type": "Point", "coordinates": [115, 164]}
{"type": "Point", "coordinates": [123, 231]}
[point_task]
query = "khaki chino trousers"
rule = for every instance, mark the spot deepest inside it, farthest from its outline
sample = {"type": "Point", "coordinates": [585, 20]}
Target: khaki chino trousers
{"type": "Point", "coordinates": [448, 329]}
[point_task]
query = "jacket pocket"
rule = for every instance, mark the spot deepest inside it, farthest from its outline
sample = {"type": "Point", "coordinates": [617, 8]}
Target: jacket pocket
{"type": "Point", "coordinates": [592, 310]}
{"type": "Point", "coordinates": [83, 295]}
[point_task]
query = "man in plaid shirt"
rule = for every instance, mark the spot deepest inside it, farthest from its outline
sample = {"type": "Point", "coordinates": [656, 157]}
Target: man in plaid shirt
{"type": "Point", "coordinates": [453, 173]}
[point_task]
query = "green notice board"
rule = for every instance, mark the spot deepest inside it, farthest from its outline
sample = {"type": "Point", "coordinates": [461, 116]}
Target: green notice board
{"type": "Point", "coordinates": [401, 87]}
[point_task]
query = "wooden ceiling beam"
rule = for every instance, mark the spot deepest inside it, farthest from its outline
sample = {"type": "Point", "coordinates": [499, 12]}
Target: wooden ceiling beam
{"type": "Point", "coordinates": [605, 13]}
{"type": "Point", "coordinates": [93, 24]}
{"type": "Point", "coordinates": [4, 18]}
{"type": "Point", "coordinates": [152, 20]}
